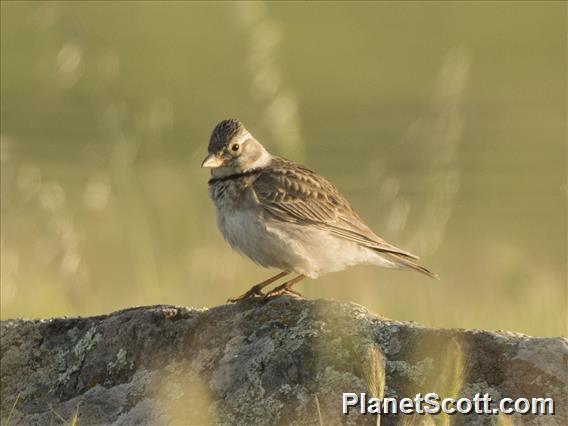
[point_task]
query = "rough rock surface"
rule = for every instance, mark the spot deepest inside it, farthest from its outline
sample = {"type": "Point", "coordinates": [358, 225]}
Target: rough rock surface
{"type": "Point", "coordinates": [285, 361]}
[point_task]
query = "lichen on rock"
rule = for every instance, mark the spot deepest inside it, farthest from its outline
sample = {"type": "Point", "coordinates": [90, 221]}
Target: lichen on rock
{"type": "Point", "coordinates": [283, 361]}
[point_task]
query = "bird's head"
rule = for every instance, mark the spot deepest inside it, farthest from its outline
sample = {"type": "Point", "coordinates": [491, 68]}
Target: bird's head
{"type": "Point", "coordinates": [232, 149]}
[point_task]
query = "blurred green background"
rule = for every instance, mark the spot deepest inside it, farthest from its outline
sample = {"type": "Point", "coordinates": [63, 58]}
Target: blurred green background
{"type": "Point", "coordinates": [443, 123]}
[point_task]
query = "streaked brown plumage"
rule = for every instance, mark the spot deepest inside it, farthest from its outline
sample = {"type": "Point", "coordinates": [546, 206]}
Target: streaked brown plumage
{"type": "Point", "coordinates": [276, 200]}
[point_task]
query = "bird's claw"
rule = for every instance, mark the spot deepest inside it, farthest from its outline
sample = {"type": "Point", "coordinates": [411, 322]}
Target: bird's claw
{"type": "Point", "coordinates": [251, 294]}
{"type": "Point", "coordinates": [282, 292]}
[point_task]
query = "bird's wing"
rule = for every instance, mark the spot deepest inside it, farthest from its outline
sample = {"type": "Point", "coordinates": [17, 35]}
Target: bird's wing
{"type": "Point", "coordinates": [292, 193]}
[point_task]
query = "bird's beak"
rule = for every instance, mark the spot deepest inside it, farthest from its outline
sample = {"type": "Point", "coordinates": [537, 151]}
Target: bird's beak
{"type": "Point", "coordinates": [212, 161]}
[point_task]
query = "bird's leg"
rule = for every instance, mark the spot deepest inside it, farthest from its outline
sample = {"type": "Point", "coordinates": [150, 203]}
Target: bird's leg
{"type": "Point", "coordinates": [256, 290]}
{"type": "Point", "coordinates": [286, 288]}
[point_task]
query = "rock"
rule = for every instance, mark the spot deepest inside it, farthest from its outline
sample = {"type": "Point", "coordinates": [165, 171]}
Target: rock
{"type": "Point", "coordinates": [285, 361]}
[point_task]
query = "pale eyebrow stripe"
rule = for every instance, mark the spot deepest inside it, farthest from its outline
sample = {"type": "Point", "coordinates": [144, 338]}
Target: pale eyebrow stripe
{"type": "Point", "coordinates": [241, 142]}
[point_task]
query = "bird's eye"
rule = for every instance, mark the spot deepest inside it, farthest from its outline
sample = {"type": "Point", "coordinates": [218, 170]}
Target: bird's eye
{"type": "Point", "coordinates": [235, 147]}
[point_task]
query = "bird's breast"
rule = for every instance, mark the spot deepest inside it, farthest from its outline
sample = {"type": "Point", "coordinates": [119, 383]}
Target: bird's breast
{"type": "Point", "coordinates": [235, 218]}
{"type": "Point", "coordinates": [227, 195]}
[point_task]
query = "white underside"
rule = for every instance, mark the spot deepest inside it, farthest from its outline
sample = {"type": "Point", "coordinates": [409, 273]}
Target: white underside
{"type": "Point", "coordinates": [291, 247]}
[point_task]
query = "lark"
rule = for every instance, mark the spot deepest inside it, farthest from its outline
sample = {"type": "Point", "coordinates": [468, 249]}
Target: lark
{"type": "Point", "coordinates": [285, 216]}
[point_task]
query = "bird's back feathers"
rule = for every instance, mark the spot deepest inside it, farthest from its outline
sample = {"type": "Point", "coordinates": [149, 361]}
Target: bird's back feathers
{"type": "Point", "coordinates": [293, 193]}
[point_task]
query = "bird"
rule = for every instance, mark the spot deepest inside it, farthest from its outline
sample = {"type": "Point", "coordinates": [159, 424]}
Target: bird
{"type": "Point", "coordinates": [286, 216]}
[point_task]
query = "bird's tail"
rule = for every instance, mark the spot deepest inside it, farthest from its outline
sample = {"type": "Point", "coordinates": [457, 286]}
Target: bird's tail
{"type": "Point", "coordinates": [408, 263]}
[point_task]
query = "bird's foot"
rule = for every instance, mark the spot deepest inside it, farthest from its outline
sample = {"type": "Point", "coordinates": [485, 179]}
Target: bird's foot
{"type": "Point", "coordinates": [253, 293]}
{"type": "Point", "coordinates": [282, 291]}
